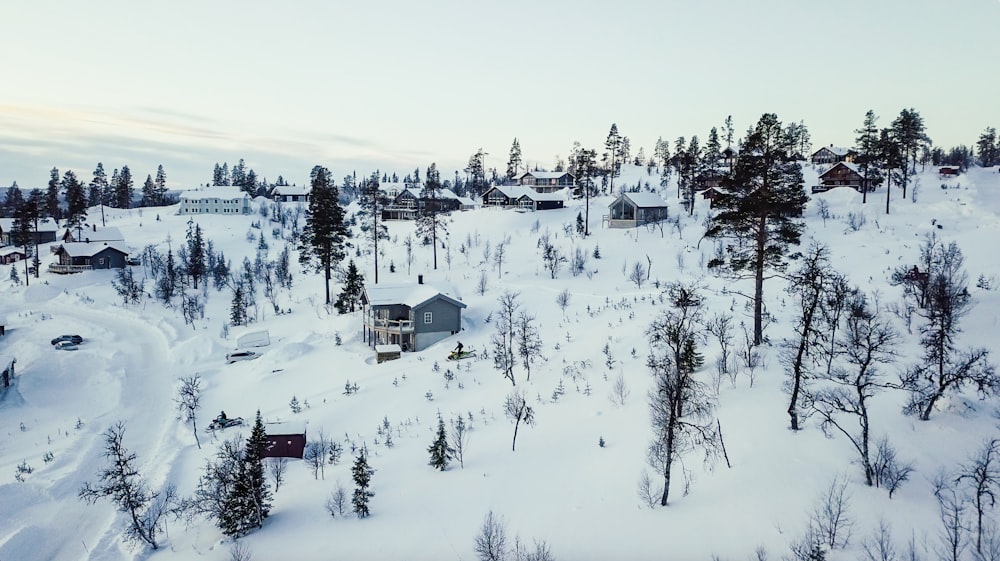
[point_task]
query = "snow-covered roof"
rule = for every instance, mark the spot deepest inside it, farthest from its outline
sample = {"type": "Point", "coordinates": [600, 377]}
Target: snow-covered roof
{"type": "Point", "coordinates": [96, 234]}
{"type": "Point", "coordinates": [410, 294]}
{"type": "Point", "coordinates": [10, 250]}
{"type": "Point", "coordinates": [848, 165]}
{"type": "Point", "coordinates": [84, 249]}
{"type": "Point", "coordinates": [44, 225]}
{"type": "Point", "coordinates": [466, 201]}
{"type": "Point", "coordinates": [838, 150]}
{"type": "Point", "coordinates": [214, 193]}
{"type": "Point", "coordinates": [645, 199]}
{"type": "Point", "coordinates": [292, 190]}
{"type": "Point", "coordinates": [545, 174]}
{"type": "Point", "coordinates": [520, 191]}
{"type": "Point", "coordinates": [285, 427]}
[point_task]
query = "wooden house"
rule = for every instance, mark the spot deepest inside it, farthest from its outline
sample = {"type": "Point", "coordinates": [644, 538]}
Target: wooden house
{"type": "Point", "coordinates": [949, 171]}
{"type": "Point", "coordinates": [411, 315]}
{"type": "Point", "coordinates": [291, 194]}
{"type": "Point", "coordinates": [842, 174]}
{"type": "Point", "coordinates": [46, 233]}
{"type": "Point", "coordinates": [517, 196]}
{"type": "Point", "coordinates": [636, 209]}
{"type": "Point", "coordinates": [546, 181]}
{"type": "Point", "coordinates": [76, 257]}
{"type": "Point", "coordinates": [411, 202]}
{"type": "Point", "coordinates": [285, 440]}
{"type": "Point", "coordinates": [11, 254]}
{"type": "Point", "coordinates": [832, 154]}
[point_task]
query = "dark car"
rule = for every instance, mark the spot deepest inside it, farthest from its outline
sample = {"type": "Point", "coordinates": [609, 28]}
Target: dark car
{"type": "Point", "coordinates": [241, 355]}
{"type": "Point", "coordinates": [75, 339]}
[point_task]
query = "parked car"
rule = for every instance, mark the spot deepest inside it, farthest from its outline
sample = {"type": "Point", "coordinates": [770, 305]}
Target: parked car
{"type": "Point", "coordinates": [75, 339]}
{"type": "Point", "coordinates": [241, 355]}
{"type": "Point", "coordinates": [65, 346]}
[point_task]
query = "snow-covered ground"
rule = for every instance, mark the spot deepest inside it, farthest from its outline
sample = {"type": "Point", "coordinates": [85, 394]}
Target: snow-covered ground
{"type": "Point", "coordinates": [560, 485]}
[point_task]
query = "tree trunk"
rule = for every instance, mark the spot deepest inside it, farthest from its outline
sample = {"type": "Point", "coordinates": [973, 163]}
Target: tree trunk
{"type": "Point", "coordinates": [327, 275]}
{"type": "Point", "coordinates": [888, 188]}
{"type": "Point", "coordinates": [866, 461]}
{"type": "Point", "coordinates": [513, 443]}
{"type": "Point", "coordinates": [758, 290]}
{"type": "Point", "coordinates": [669, 460]}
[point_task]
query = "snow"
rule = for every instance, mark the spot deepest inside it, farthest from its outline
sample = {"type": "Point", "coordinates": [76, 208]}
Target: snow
{"type": "Point", "coordinates": [410, 293]}
{"type": "Point", "coordinates": [645, 199]}
{"type": "Point", "coordinates": [559, 485]}
{"type": "Point", "coordinates": [221, 193]}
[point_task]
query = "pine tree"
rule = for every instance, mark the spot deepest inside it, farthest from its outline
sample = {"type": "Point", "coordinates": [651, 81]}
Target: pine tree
{"type": "Point", "coordinates": [440, 451]}
{"type": "Point", "coordinates": [989, 153]}
{"type": "Point", "coordinates": [321, 243]}
{"type": "Point", "coordinates": [12, 201]}
{"type": "Point", "coordinates": [762, 212]}
{"type": "Point", "coordinates": [477, 172]}
{"type": "Point", "coordinates": [613, 144]}
{"type": "Point", "coordinates": [866, 145]}
{"type": "Point", "coordinates": [910, 134]}
{"type": "Point", "coordinates": [52, 195]}
{"type": "Point", "coordinates": [362, 474]}
{"type": "Point", "coordinates": [196, 267]}
{"type": "Point", "coordinates": [373, 201]}
{"type": "Point", "coordinates": [349, 299]}
{"type": "Point", "coordinates": [98, 189]}
{"type": "Point", "coordinates": [239, 174]}
{"type": "Point", "coordinates": [429, 224]}
{"type": "Point", "coordinates": [254, 483]}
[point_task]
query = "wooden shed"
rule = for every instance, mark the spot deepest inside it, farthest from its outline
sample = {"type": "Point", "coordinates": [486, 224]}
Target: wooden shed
{"type": "Point", "coordinates": [387, 352]}
{"type": "Point", "coordinates": [285, 440]}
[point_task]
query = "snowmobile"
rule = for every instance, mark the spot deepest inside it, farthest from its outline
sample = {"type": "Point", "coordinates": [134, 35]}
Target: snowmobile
{"type": "Point", "coordinates": [219, 423]}
{"type": "Point", "coordinates": [455, 355]}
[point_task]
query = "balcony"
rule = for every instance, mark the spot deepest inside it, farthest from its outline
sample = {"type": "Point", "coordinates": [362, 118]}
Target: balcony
{"type": "Point", "coordinates": [393, 325]}
{"type": "Point", "coordinates": [65, 269]}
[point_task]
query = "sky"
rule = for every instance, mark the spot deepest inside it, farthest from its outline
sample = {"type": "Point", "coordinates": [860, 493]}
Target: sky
{"type": "Point", "coordinates": [394, 84]}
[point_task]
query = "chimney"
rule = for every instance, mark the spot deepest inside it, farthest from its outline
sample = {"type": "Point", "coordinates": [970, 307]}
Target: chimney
{"type": "Point", "coordinates": [420, 279]}
{"type": "Point", "coordinates": [95, 227]}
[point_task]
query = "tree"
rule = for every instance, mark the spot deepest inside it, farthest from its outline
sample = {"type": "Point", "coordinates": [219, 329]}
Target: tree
{"type": "Point", "coordinates": [197, 267]}
{"type": "Point", "coordinates": [189, 401]}
{"type": "Point", "coordinates": [121, 483]}
{"type": "Point", "coordinates": [516, 407]}
{"type": "Point", "coordinates": [866, 145]}
{"type": "Point", "coordinates": [149, 192]}
{"type": "Point", "coordinates": [910, 135]}
{"type": "Point", "coordinates": [99, 189]}
{"type": "Point", "coordinates": [127, 287]}
{"type": "Point", "coordinates": [12, 200]}
{"type": "Point", "coordinates": [76, 200]}
{"type": "Point", "coordinates": [762, 213]}
{"type": "Point", "coordinates": [987, 147]}
{"type": "Point", "coordinates": [459, 439]}
{"type": "Point", "coordinates": [429, 223]}
{"type": "Point", "coordinates": [868, 342]}
{"type": "Point", "coordinates": [373, 200]}
{"type": "Point", "coordinates": [349, 298]}
{"type": "Point", "coordinates": [166, 285]}
{"type": "Point", "coordinates": [362, 474]}
{"type": "Point", "coordinates": [491, 543]}
{"type": "Point", "coordinates": [681, 408]}
{"type": "Point", "coordinates": [477, 172]}
{"type": "Point", "coordinates": [982, 473]}
{"type": "Point", "coordinates": [52, 208]}
{"type": "Point", "coordinates": [441, 452]}
{"type": "Point", "coordinates": [527, 340]}
{"type": "Point", "coordinates": [124, 189]}
{"type": "Point", "coordinates": [25, 225]}
{"type": "Point", "coordinates": [890, 157]}
{"type": "Point", "coordinates": [613, 145]}
{"type": "Point", "coordinates": [514, 161]}
{"type": "Point", "coordinates": [504, 338]}
{"type": "Point", "coordinates": [944, 369]}
{"type": "Point", "coordinates": [249, 499]}
{"type": "Point", "coordinates": [321, 243]}
{"type": "Point", "coordinates": [583, 165]}
{"type": "Point", "coordinates": [160, 186]}
{"type": "Point", "coordinates": [807, 286]}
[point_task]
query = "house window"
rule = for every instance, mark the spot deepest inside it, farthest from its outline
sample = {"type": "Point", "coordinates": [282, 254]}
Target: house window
{"type": "Point", "coordinates": [100, 261]}
{"type": "Point", "coordinates": [428, 317]}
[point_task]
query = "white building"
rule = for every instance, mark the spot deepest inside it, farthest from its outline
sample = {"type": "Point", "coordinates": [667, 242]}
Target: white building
{"type": "Point", "coordinates": [215, 200]}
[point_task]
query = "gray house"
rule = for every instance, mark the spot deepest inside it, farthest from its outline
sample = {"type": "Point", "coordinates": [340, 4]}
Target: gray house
{"type": "Point", "coordinates": [82, 256]}
{"type": "Point", "coordinates": [411, 315]}
{"type": "Point", "coordinates": [635, 209]}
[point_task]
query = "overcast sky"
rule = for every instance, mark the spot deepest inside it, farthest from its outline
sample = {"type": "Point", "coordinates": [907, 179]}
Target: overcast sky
{"type": "Point", "coordinates": [396, 84]}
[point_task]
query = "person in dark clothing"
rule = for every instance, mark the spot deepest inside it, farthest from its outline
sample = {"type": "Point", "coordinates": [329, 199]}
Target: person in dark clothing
{"type": "Point", "coordinates": [222, 416]}
{"type": "Point", "coordinates": [458, 349]}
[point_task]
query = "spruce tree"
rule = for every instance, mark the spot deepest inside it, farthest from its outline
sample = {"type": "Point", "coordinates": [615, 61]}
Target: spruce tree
{"type": "Point", "coordinates": [13, 200]}
{"type": "Point", "coordinates": [321, 243]}
{"type": "Point", "coordinates": [149, 192]}
{"type": "Point", "coordinates": [362, 474]}
{"type": "Point", "coordinates": [866, 145]}
{"type": "Point", "coordinates": [160, 189]}
{"type": "Point", "coordinates": [259, 492]}
{"type": "Point", "coordinates": [196, 267]}
{"type": "Point", "coordinates": [429, 223]}
{"type": "Point", "coordinates": [349, 299]}
{"type": "Point", "coordinates": [124, 189]}
{"type": "Point", "coordinates": [514, 162]}
{"type": "Point", "coordinates": [441, 453]}
{"type": "Point", "coordinates": [52, 195]}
